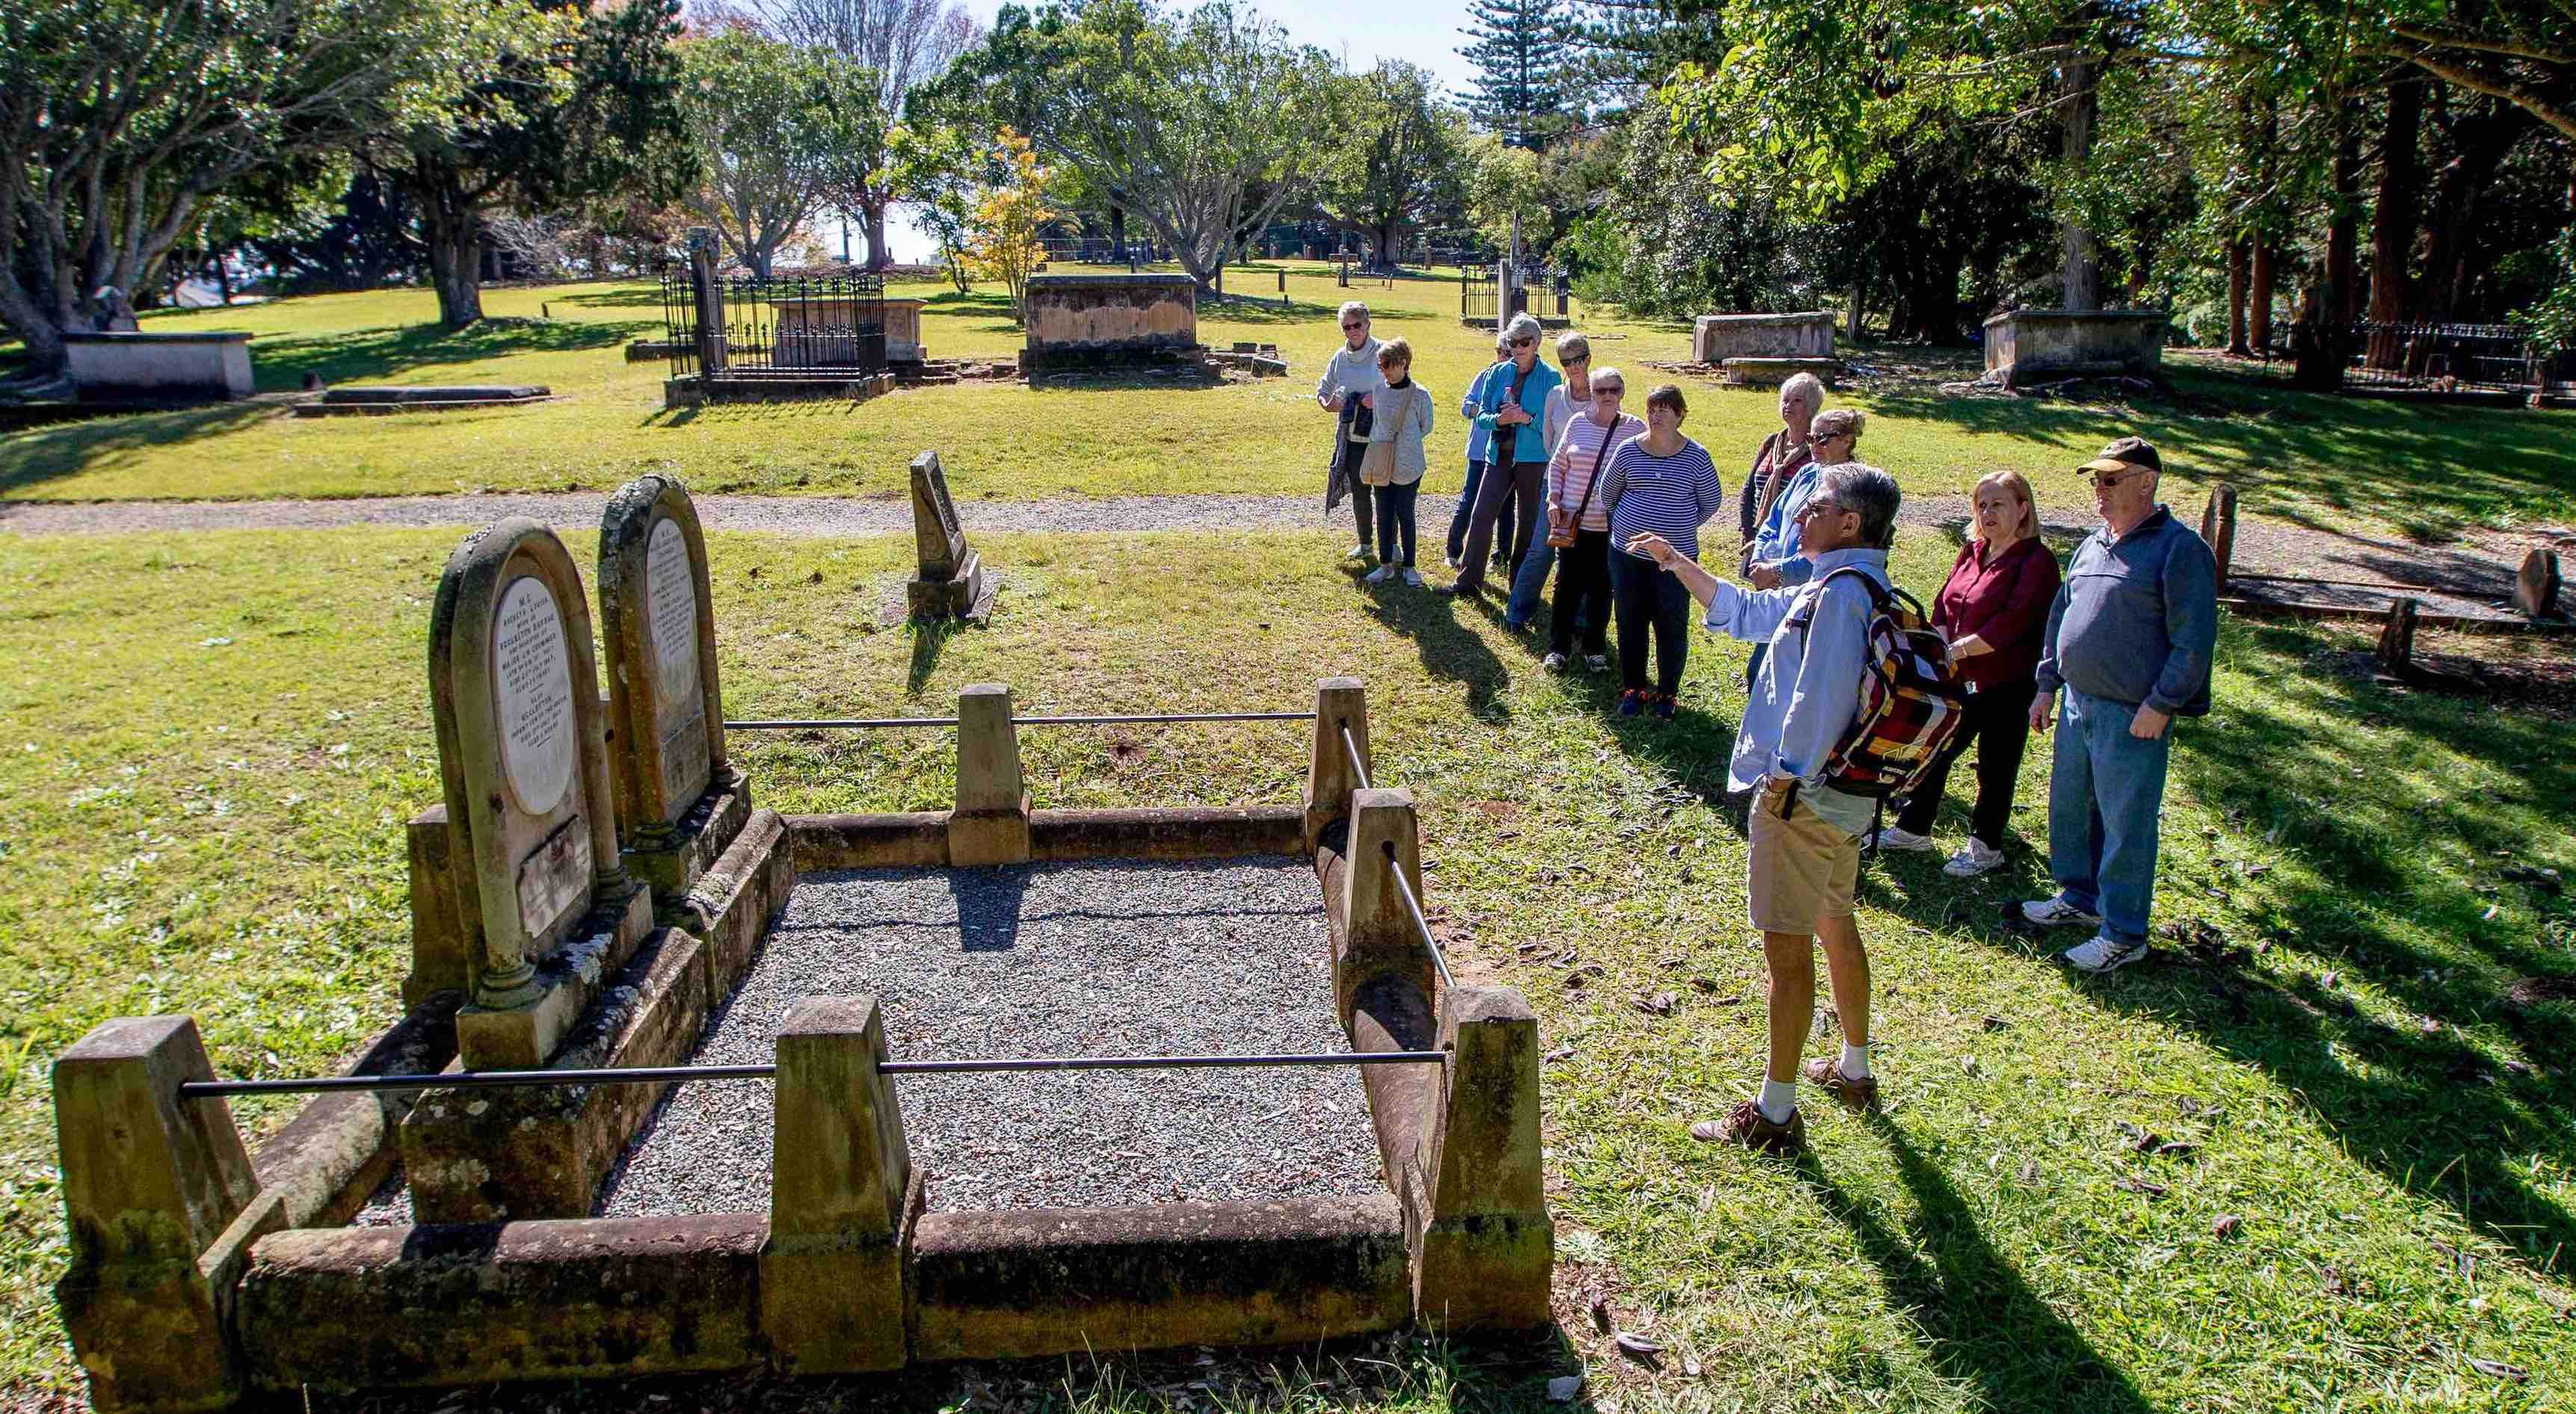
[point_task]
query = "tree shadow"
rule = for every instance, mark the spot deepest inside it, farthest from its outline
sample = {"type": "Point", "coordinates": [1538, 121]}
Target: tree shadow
{"type": "Point", "coordinates": [2387, 892]}
{"type": "Point", "coordinates": [1981, 1324]}
{"type": "Point", "coordinates": [618, 297]}
{"type": "Point", "coordinates": [67, 449]}
{"type": "Point", "coordinates": [363, 354]}
{"type": "Point", "coordinates": [1448, 648]}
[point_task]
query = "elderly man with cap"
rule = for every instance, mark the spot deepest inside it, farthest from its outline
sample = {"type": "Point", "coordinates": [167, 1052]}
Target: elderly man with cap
{"type": "Point", "coordinates": [2129, 641]}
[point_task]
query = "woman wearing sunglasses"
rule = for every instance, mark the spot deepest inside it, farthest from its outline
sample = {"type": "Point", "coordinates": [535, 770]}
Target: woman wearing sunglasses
{"type": "Point", "coordinates": [1350, 375]}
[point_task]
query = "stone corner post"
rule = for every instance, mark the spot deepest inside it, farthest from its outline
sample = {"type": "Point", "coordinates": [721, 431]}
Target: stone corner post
{"type": "Point", "coordinates": [843, 1196]}
{"type": "Point", "coordinates": [1475, 1203]}
{"type": "Point", "coordinates": [2397, 636]}
{"type": "Point", "coordinates": [708, 298]}
{"type": "Point", "coordinates": [162, 1207]}
{"type": "Point", "coordinates": [991, 822]}
{"type": "Point", "coordinates": [1379, 938]}
{"type": "Point", "coordinates": [2218, 527]}
{"type": "Point", "coordinates": [1339, 703]}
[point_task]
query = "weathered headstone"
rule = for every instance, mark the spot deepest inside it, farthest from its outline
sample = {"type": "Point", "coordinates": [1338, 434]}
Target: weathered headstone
{"type": "Point", "coordinates": [2218, 528]}
{"type": "Point", "coordinates": [953, 583]}
{"type": "Point", "coordinates": [2535, 588]}
{"type": "Point", "coordinates": [685, 816]}
{"type": "Point", "coordinates": [545, 906]}
{"type": "Point", "coordinates": [2397, 637]}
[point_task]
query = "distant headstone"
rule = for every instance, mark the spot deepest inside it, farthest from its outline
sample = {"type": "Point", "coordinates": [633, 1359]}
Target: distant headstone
{"type": "Point", "coordinates": [954, 582]}
{"type": "Point", "coordinates": [2535, 589]}
{"type": "Point", "coordinates": [531, 819]}
{"type": "Point", "coordinates": [2218, 528]}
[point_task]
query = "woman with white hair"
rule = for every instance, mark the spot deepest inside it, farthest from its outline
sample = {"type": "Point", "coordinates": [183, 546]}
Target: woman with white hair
{"type": "Point", "coordinates": [1515, 398]}
{"type": "Point", "coordinates": [1350, 375]}
{"type": "Point", "coordinates": [1782, 453]}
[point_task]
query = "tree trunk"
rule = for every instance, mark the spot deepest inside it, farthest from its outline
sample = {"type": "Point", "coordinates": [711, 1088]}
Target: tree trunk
{"type": "Point", "coordinates": [2259, 295]}
{"type": "Point", "coordinates": [872, 220]}
{"type": "Point", "coordinates": [1851, 310]}
{"type": "Point", "coordinates": [452, 229]}
{"type": "Point", "coordinates": [2082, 260]}
{"type": "Point", "coordinates": [1117, 233]}
{"type": "Point", "coordinates": [2240, 263]}
{"type": "Point", "coordinates": [2395, 214]}
{"type": "Point", "coordinates": [2480, 138]}
{"type": "Point", "coordinates": [2343, 223]}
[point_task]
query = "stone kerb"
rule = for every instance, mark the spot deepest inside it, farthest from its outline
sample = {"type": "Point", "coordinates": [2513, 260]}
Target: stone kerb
{"type": "Point", "coordinates": [843, 1196]}
{"type": "Point", "coordinates": [160, 1201]}
{"type": "Point", "coordinates": [991, 822]}
{"type": "Point", "coordinates": [1379, 938]}
{"type": "Point", "coordinates": [1475, 1199]}
{"type": "Point", "coordinates": [545, 904]}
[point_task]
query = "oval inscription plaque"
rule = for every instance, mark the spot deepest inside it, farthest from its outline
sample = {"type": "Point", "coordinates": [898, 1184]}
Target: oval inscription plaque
{"type": "Point", "coordinates": [671, 610]}
{"type": "Point", "coordinates": [532, 695]}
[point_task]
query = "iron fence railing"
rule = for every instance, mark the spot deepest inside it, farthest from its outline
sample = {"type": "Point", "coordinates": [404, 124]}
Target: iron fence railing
{"type": "Point", "coordinates": [1542, 291]}
{"type": "Point", "coordinates": [823, 324]}
{"type": "Point", "coordinates": [2439, 357]}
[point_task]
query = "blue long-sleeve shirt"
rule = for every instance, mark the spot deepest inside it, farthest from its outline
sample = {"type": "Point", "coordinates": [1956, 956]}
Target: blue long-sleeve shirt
{"type": "Point", "coordinates": [1809, 689]}
{"type": "Point", "coordinates": [1479, 436]}
{"type": "Point", "coordinates": [1531, 444]}
{"type": "Point", "coordinates": [1775, 542]}
{"type": "Point", "coordinates": [2136, 619]}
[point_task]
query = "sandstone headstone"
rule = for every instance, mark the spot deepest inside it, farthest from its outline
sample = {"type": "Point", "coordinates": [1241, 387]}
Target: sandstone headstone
{"type": "Point", "coordinates": [2218, 528]}
{"type": "Point", "coordinates": [2535, 588]}
{"type": "Point", "coordinates": [530, 812]}
{"type": "Point", "coordinates": [953, 583]}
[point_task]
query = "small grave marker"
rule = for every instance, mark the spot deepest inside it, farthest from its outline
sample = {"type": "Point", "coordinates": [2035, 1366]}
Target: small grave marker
{"type": "Point", "coordinates": [2535, 588]}
{"type": "Point", "coordinates": [954, 582]}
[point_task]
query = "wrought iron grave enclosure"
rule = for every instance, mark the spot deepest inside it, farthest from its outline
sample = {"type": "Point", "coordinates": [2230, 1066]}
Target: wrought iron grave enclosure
{"type": "Point", "coordinates": [792, 325]}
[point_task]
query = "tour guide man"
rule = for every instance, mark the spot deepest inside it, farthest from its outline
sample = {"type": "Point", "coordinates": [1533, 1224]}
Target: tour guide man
{"type": "Point", "coordinates": [2129, 638]}
{"type": "Point", "coordinates": [1805, 858]}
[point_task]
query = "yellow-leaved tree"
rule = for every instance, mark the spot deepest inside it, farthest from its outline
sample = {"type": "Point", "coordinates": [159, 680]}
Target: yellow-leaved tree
{"type": "Point", "coordinates": [1002, 241]}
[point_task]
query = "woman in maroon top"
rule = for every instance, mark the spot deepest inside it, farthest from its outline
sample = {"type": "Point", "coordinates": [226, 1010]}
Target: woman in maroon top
{"type": "Point", "coordinates": [1994, 612]}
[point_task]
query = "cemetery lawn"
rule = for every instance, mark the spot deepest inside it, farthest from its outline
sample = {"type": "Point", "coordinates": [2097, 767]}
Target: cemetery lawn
{"type": "Point", "coordinates": [2322, 1156]}
{"type": "Point", "coordinates": [2432, 471]}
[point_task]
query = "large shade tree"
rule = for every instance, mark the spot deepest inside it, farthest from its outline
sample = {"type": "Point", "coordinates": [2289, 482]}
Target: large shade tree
{"type": "Point", "coordinates": [776, 130]}
{"type": "Point", "coordinates": [905, 44]}
{"type": "Point", "coordinates": [1399, 153]}
{"type": "Point", "coordinates": [120, 120]}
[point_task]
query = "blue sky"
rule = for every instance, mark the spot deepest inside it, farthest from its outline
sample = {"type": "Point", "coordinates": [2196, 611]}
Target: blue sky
{"type": "Point", "coordinates": [1361, 32]}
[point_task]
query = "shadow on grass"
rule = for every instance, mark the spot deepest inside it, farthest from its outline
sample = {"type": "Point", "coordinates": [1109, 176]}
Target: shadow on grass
{"type": "Point", "coordinates": [1980, 1323]}
{"type": "Point", "coordinates": [928, 638]}
{"type": "Point", "coordinates": [2389, 889]}
{"type": "Point", "coordinates": [1448, 648]}
{"type": "Point", "coordinates": [620, 297]}
{"type": "Point", "coordinates": [378, 353]}
{"type": "Point", "coordinates": [66, 449]}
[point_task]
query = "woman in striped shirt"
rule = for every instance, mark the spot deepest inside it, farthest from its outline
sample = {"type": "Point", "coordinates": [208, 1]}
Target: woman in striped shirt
{"type": "Point", "coordinates": [1574, 501]}
{"type": "Point", "coordinates": [1662, 482]}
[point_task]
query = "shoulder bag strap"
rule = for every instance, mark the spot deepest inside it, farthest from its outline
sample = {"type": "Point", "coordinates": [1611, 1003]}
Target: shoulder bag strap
{"type": "Point", "coordinates": [1600, 455]}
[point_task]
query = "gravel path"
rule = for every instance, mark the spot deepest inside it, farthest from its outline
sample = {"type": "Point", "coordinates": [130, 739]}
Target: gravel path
{"type": "Point", "coordinates": [2482, 569]}
{"type": "Point", "coordinates": [1047, 960]}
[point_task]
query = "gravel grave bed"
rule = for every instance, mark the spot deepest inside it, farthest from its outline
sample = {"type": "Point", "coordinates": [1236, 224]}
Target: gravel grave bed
{"type": "Point", "coordinates": [1089, 959]}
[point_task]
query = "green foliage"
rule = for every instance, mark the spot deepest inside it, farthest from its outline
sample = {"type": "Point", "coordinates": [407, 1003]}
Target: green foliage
{"type": "Point", "coordinates": [1526, 87]}
{"type": "Point", "coordinates": [1396, 153]}
{"type": "Point", "coordinates": [776, 129]}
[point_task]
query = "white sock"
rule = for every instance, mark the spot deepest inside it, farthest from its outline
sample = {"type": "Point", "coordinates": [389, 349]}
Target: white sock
{"type": "Point", "coordinates": [1855, 1062]}
{"type": "Point", "coordinates": [1779, 1100]}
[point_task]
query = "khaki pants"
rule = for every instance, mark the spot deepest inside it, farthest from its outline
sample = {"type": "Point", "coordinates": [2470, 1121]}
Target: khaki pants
{"type": "Point", "coordinates": [1803, 868]}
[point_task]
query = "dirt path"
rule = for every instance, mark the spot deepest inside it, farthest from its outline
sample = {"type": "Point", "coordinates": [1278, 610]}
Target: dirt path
{"type": "Point", "coordinates": [2473, 570]}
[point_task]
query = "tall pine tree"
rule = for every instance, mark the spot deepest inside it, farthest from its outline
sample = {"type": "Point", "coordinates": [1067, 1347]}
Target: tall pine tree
{"type": "Point", "coordinates": [1525, 86]}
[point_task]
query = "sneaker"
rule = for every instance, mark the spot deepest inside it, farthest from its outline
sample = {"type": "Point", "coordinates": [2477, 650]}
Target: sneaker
{"type": "Point", "coordinates": [1597, 662]}
{"type": "Point", "coordinates": [2057, 913]}
{"type": "Point", "coordinates": [1664, 706]}
{"type": "Point", "coordinates": [1358, 552]}
{"type": "Point", "coordinates": [1412, 577]}
{"type": "Point", "coordinates": [1978, 858]}
{"type": "Point", "coordinates": [1894, 838]}
{"type": "Point", "coordinates": [1449, 558]}
{"type": "Point", "coordinates": [1455, 590]}
{"type": "Point", "coordinates": [1748, 1126]}
{"type": "Point", "coordinates": [1380, 575]}
{"type": "Point", "coordinates": [1553, 662]}
{"type": "Point", "coordinates": [1632, 703]}
{"type": "Point", "coordinates": [2102, 953]}
{"type": "Point", "coordinates": [1861, 1094]}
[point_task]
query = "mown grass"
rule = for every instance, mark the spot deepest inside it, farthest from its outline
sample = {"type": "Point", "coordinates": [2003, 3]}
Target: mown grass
{"type": "Point", "coordinates": [210, 741]}
{"type": "Point", "coordinates": [2430, 470]}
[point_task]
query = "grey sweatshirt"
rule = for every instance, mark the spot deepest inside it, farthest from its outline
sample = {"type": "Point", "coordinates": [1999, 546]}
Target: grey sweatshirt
{"type": "Point", "coordinates": [2136, 619]}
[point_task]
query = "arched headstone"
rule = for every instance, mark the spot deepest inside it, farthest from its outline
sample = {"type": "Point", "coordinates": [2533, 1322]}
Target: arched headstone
{"type": "Point", "coordinates": [2535, 587]}
{"type": "Point", "coordinates": [532, 823]}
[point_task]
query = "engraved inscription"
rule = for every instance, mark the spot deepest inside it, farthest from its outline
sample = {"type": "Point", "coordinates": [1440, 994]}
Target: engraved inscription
{"type": "Point", "coordinates": [684, 765]}
{"type": "Point", "coordinates": [532, 695]}
{"type": "Point", "coordinates": [671, 614]}
{"type": "Point", "coordinates": [555, 877]}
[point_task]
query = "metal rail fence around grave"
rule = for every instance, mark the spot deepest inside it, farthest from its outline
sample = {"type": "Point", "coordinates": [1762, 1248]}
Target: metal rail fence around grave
{"type": "Point", "coordinates": [2439, 357]}
{"type": "Point", "coordinates": [1480, 293]}
{"type": "Point", "coordinates": [792, 325]}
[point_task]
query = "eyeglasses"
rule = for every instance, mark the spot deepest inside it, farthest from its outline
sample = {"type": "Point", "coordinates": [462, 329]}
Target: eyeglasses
{"type": "Point", "coordinates": [1353, 328]}
{"type": "Point", "coordinates": [2108, 479]}
{"type": "Point", "coordinates": [1813, 508]}
{"type": "Point", "coordinates": [1523, 343]}
{"type": "Point", "coordinates": [1608, 390]}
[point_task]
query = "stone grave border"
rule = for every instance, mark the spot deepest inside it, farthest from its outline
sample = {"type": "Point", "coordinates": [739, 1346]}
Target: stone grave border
{"type": "Point", "coordinates": [201, 1276]}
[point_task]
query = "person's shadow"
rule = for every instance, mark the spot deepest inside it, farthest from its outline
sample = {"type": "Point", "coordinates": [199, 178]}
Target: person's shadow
{"type": "Point", "coordinates": [1980, 1323]}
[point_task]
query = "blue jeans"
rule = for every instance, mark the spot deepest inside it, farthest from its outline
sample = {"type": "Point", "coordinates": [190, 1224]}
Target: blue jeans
{"type": "Point", "coordinates": [1530, 580]}
{"type": "Point", "coordinates": [1466, 507]}
{"type": "Point", "coordinates": [2105, 795]}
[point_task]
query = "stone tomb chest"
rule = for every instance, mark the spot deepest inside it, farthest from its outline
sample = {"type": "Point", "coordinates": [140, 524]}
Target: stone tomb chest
{"type": "Point", "coordinates": [1715, 338]}
{"type": "Point", "coordinates": [1105, 320]}
{"type": "Point", "coordinates": [2027, 345]}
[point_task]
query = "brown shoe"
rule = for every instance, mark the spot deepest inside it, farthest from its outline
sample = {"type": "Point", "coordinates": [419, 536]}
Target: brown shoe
{"type": "Point", "coordinates": [1861, 1094]}
{"type": "Point", "coordinates": [1746, 1125]}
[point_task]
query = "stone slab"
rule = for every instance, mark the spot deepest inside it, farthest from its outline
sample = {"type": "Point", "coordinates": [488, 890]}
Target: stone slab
{"type": "Point", "coordinates": [1055, 1281]}
{"type": "Point", "coordinates": [210, 366]}
{"type": "Point", "coordinates": [438, 933]}
{"type": "Point", "coordinates": [356, 1308]}
{"type": "Point", "coordinates": [1772, 372]}
{"type": "Point", "coordinates": [735, 902]}
{"type": "Point", "coordinates": [1716, 338]}
{"type": "Point", "coordinates": [438, 393]}
{"type": "Point", "coordinates": [701, 837]}
{"type": "Point", "coordinates": [340, 1148]}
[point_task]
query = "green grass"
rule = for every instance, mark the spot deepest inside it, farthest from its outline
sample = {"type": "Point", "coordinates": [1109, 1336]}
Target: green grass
{"type": "Point", "coordinates": [2336, 461]}
{"type": "Point", "coordinates": [210, 742]}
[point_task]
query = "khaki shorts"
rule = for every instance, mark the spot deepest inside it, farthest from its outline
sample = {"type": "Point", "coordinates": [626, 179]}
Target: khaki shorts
{"type": "Point", "coordinates": [1802, 869]}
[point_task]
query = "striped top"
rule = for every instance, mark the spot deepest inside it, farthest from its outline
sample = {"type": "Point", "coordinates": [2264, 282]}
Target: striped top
{"type": "Point", "coordinates": [1569, 472]}
{"type": "Point", "coordinates": [1672, 496]}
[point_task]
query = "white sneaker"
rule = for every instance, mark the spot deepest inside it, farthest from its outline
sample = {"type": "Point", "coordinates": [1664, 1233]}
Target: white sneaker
{"type": "Point", "coordinates": [1894, 838]}
{"type": "Point", "coordinates": [1448, 559]}
{"type": "Point", "coordinates": [2057, 913]}
{"type": "Point", "coordinates": [2101, 954]}
{"type": "Point", "coordinates": [1976, 859]}
{"type": "Point", "coordinates": [1553, 662]}
{"type": "Point", "coordinates": [1413, 578]}
{"type": "Point", "coordinates": [1380, 575]}
{"type": "Point", "coordinates": [1356, 552]}
{"type": "Point", "coordinates": [1597, 662]}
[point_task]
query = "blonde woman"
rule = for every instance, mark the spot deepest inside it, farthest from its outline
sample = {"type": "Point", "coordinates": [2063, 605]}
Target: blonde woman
{"type": "Point", "coordinates": [1400, 418]}
{"type": "Point", "coordinates": [1994, 612]}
